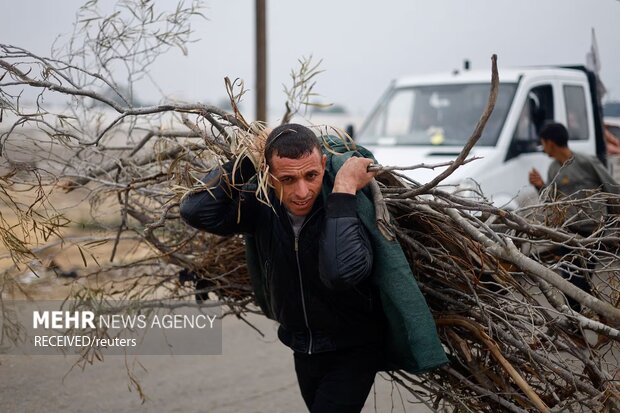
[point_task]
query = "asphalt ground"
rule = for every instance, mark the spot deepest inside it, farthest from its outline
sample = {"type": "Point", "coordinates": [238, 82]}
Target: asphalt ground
{"type": "Point", "coordinates": [254, 374]}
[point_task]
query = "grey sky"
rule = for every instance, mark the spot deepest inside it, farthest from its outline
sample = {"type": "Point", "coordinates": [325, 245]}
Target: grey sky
{"type": "Point", "coordinates": [363, 44]}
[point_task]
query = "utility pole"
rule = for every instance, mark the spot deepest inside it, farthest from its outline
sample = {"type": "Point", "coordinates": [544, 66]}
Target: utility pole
{"type": "Point", "coordinates": [261, 60]}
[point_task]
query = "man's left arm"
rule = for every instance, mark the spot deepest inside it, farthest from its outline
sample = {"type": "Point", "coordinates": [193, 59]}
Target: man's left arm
{"type": "Point", "coordinates": [345, 250]}
{"type": "Point", "coordinates": [608, 183]}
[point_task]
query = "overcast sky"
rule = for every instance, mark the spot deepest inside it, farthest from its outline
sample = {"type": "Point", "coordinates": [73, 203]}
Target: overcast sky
{"type": "Point", "coordinates": [363, 44]}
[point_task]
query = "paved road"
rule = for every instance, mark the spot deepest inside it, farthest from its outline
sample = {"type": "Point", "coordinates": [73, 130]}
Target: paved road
{"type": "Point", "coordinates": [253, 375]}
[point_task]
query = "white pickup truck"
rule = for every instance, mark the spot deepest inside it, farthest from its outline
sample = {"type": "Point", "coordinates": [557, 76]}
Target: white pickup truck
{"type": "Point", "coordinates": [428, 119]}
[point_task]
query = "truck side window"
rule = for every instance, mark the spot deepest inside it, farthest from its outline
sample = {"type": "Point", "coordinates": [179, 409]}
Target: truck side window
{"type": "Point", "coordinates": [526, 130]}
{"type": "Point", "coordinates": [538, 109]}
{"type": "Point", "coordinates": [576, 112]}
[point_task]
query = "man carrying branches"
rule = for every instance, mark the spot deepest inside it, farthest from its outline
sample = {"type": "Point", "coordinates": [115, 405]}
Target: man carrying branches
{"type": "Point", "coordinates": [312, 262]}
{"type": "Point", "coordinates": [574, 175]}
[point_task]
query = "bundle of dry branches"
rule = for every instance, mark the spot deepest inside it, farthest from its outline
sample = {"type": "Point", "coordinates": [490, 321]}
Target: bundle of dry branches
{"type": "Point", "coordinates": [490, 276]}
{"type": "Point", "coordinates": [514, 343]}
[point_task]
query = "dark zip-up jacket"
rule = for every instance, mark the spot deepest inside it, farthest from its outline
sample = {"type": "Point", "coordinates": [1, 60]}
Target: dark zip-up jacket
{"type": "Point", "coordinates": [317, 285]}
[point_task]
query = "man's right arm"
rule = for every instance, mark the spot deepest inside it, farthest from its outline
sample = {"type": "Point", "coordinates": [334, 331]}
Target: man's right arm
{"type": "Point", "coordinates": [536, 180]}
{"type": "Point", "coordinates": [222, 208]}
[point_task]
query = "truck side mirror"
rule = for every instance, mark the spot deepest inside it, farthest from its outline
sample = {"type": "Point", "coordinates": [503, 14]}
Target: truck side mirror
{"type": "Point", "coordinates": [350, 130]}
{"type": "Point", "coordinates": [518, 146]}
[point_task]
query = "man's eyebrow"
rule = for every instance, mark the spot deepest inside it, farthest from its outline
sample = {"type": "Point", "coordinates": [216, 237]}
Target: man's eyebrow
{"type": "Point", "coordinates": [294, 176]}
{"type": "Point", "coordinates": [285, 175]}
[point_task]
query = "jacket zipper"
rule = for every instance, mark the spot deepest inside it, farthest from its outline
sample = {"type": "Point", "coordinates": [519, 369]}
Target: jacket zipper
{"type": "Point", "coordinates": [301, 291]}
{"type": "Point", "coordinates": [301, 283]}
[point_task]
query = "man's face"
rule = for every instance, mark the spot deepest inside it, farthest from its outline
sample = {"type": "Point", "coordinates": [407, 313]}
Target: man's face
{"type": "Point", "coordinates": [547, 146]}
{"type": "Point", "coordinates": [297, 182]}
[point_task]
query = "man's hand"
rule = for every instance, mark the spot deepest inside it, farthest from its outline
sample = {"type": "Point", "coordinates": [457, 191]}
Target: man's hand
{"type": "Point", "coordinates": [353, 175]}
{"type": "Point", "coordinates": [536, 179]}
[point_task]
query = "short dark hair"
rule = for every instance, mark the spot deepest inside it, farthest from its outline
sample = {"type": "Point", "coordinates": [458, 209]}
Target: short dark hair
{"type": "Point", "coordinates": [292, 141]}
{"type": "Point", "coordinates": [556, 133]}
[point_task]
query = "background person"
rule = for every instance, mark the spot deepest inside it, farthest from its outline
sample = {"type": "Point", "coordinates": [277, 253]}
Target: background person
{"type": "Point", "coordinates": [574, 176]}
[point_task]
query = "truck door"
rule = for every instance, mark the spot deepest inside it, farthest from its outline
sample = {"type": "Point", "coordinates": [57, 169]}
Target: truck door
{"type": "Point", "coordinates": [579, 122]}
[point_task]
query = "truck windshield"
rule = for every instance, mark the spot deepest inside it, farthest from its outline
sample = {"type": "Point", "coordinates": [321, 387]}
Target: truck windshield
{"type": "Point", "coordinates": [436, 115]}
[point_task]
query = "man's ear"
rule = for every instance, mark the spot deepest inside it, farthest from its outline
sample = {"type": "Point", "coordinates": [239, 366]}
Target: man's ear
{"type": "Point", "coordinates": [324, 162]}
{"type": "Point", "coordinates": [272, 180]}
{"type": "Point", "coordinates": [275, 184]}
